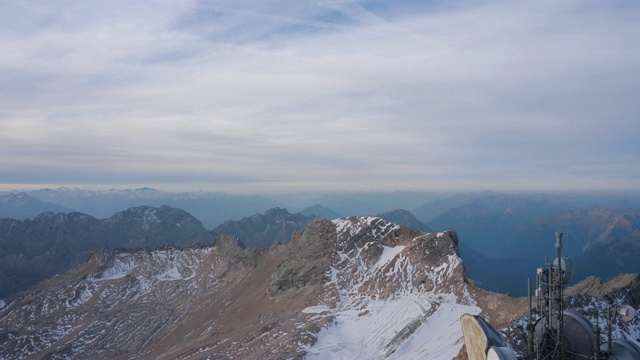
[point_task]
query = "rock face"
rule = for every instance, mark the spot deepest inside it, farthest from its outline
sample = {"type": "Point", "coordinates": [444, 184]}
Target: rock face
{"type": "Point", "coordinates": [259, 230]}
{"type": "Point", "coordinates": [355, 287]}
{"type": "Point", "coordinates": [31, 250]}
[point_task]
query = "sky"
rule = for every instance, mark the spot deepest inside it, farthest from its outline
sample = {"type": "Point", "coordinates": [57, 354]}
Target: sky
{"type": "Point", "coordinates": [338, 95]}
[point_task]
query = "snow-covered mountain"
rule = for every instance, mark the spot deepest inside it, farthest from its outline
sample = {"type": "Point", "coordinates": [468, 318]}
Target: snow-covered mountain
{"type": "Point", "coordinates": [358, 287]}
{"type": "Point", "coordinates": [313, 297]}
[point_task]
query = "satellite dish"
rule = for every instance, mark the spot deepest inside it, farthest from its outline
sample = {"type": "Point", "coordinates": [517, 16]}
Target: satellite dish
{"type": "Point", "coordinates": [622, 349]}
{"type": "Point", "coordinates": [567, 267]}
{"type": "Point", "coordinates": [627, 313]}
{"type": "Point", "coordinates": [501, 353]}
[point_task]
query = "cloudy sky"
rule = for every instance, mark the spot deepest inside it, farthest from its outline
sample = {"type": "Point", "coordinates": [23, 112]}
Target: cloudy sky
{"type": "Point", "coordinates": [290, 95]}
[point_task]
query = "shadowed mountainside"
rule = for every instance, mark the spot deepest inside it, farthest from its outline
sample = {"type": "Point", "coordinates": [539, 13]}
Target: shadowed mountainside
{"type": "Point", "coordinates": [32, 250]}
{"type": "Point", "coordinates": [276, 225]}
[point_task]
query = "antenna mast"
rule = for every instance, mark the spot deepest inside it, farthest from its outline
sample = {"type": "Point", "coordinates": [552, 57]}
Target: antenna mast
{"type": "Point", "coordinates": [549, 295]}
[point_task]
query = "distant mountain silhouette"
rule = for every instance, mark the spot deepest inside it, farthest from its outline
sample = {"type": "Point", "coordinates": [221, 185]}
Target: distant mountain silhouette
{"type": "Point", "coordinates": [511, 227]}
{"type": "Point", "coordinates": [210, 208]}
{"type": "Point", "coordinates": [32, 250]}
{"type": "Point", "coordinates": [620, 256]}
{"type": "Point", "coordinates": [319, 210]}
{"type": "Point", "coordinates": [406, 219]}
{"type": "Point", "coordinates": [259, 230]}
{"type": "Point", "coordinates": [21, 206]}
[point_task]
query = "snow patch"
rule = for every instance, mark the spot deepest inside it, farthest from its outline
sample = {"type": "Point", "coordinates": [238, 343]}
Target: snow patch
{"type": "Point", "coordinates": [316, 309]}
{"type": "Point", "coordinates": [388, 253]}
{"type": "Point", "coordinates": [377, 329]}
{"type": "Point", "coordinates": [170, 273]}
{"type": "Point", "coordinates": [120, 269]}
{"type": "Point", "coordinates": [409, 323]}
{"type": "Point", "coordinates": [439, 337]}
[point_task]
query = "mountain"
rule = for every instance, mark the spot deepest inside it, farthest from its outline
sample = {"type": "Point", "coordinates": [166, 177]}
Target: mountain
{"type": "Point", "coordinates": [511, 227]}
{"type": "Point", "coordinates": [357, 287]}
{"type": "Point", "coordinates": [497, 275]}
{"type": "Point", "coordinates": [367, 203]}
{"type": "Point", "coordinates": [488, 223]}
{"type": "Point", "coordinates": [428, 211]}
{"type": "Point", "coordinates": [19, 205]}
{"type": "Point", "coordinates": [404, 218]}
{"type": "Point", "coordinates": [210, 208]}
{"type": "Point", "coordinates": [31, 250]}
{"type": "Point", "coordinates": [276, 225]}
{"type": "Point", "coordinates": [618, 257]}
{"type": "Point", "coordinates": [589, 228]}
{"type": "Point", "coordinates": [321, 211]}
{"type": "Point", "coordinates": [354, 287]}
{"type": "Point", "coordinates": [506, 276]}
{"type": "Point", "coordinates": [505, 234]}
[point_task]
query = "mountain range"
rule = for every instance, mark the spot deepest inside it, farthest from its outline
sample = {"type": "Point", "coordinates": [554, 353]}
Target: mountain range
{"type": "Point", "coordinates": [32, 250]}
{"type": "Point", "coordinates": [356, 287]}
{"type": "Point", "coordinates": [498, 231]}
{"type": "Point", "coordinates": [210, 208]}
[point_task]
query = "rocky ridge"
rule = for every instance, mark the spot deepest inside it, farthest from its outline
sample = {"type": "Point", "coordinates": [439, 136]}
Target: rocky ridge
{"type": "Point", "coordinates": [225, 301]}
{"type": "Point", "coordinates": [34, 249]}
{"type": "Point", "coordinates": [358, 287]}
{"type": "Point", "coordinates": [277, 224]}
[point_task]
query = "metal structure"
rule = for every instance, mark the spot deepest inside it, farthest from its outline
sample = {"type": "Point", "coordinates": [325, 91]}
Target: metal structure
{"type": "Point", "coordinates": [547, 333]}
{"type": "Point", "coordinates": [553, 333]}
{"type": "Point", "coordinates": [558, 334]}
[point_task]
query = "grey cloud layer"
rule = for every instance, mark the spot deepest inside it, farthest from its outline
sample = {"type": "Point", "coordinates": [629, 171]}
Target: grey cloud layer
{"type": "Point", "coordinates": [333, 95]}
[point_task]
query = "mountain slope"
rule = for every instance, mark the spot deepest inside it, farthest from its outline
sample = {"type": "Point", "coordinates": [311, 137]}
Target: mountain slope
{"type": "Point", "coordinates": [321, 211]}
{"type": "Point", "coordinates": [404, 218]}
{"type": "Point", "coordinates": [259, 230]}
{"type": "Point", "coordinates": [618, 257]}
{"type": "Point", "coordinates": [513, 228]}
{"type": "Point", "coordinates": [222, 301]}
{"type": "Point", "coordinates": [31, 250]}
{"type": "Point", "coordinates": [20, 206]}
{"type": "Point", "coordinates": [357, 287]}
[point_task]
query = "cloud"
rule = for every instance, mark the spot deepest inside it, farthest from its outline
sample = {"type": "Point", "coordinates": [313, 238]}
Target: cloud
{"type": "Point", "coordinates": [331, 95]}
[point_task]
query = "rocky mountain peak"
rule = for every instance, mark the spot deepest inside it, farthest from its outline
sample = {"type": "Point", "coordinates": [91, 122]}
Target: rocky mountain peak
{"type": "Point", "coordinates": [321, 211]}
{"type": "Point", "coordinates": [222, 300]}
{"type": "Point", "coordinates": [261, 230]}
{"type": "Point", "coordinates": [357, 287]}
{"type": "Point", "coordinates": [277, 212]}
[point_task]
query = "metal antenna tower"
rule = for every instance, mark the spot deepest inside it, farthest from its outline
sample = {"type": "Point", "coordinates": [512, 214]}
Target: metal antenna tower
{"type": "Point", "coordinates": [549, 295]}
